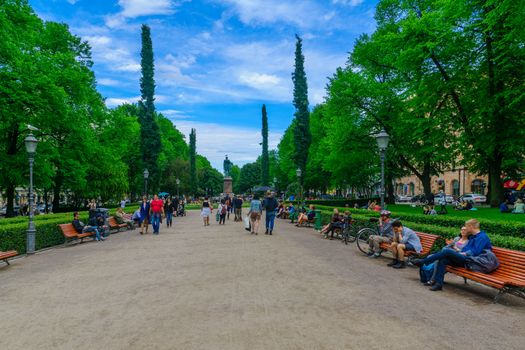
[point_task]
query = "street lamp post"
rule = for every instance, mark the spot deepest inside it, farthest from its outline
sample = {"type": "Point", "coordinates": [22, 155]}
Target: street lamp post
{"type": "Point", "coordinates": [146, 175]}
{"type": "Point", "coordinates": [177, 181]}
{"type": "Point", "coordinates": [382, 143]}
{"type": "Point", "coordinates": [298, 172]}
{"type": "Point", "coordinates": [31, 143]}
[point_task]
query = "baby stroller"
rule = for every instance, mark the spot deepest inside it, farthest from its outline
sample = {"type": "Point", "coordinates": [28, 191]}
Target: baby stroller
{"type": "Point", "coordinates": [180, 210]}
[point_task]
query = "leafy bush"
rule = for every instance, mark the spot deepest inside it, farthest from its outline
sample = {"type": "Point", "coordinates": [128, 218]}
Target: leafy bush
{"type": "Point", "coordinates": [447, 232]}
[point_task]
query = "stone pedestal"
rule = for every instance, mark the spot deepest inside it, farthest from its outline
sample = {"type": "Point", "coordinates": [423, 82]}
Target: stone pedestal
{"type": "Point", "coordinates": [228, 185]}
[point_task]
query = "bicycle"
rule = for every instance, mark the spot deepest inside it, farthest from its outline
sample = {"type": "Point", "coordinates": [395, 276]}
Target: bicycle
{"type": "Point", "coordinates": [348, 232]}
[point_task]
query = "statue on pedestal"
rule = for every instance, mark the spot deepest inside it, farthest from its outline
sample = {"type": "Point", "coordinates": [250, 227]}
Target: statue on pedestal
{"type": "Point", "coordinates": [227, 167]}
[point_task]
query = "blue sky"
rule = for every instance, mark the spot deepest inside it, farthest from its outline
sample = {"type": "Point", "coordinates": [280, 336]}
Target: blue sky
{"type": "Point", "coordinates": [217, 61]}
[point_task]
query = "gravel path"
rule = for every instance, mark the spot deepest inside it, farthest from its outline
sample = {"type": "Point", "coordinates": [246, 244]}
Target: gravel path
{"type": "Point", "coordinates": [218, 287]}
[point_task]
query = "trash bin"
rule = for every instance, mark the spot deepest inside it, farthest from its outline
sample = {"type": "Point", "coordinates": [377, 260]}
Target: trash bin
{"type": "Point", "coordinates": [318, 220]}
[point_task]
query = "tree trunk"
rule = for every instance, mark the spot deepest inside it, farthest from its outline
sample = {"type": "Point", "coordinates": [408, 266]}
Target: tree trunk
{"type": "Point", "coordinates": [495, 182]}
{"type": "Point", "coordinates": [10, 192]}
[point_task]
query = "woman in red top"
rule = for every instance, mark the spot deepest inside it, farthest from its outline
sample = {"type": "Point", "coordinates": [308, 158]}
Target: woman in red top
{"type": "Point", "coordinates": [156, 210]}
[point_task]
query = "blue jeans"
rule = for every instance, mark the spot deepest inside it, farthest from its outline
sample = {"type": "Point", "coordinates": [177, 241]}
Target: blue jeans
{"type": "Point", "coordinates": [93, 229]}
{"type": "Point", "coordinates": [270, 219]}
{"type": "Point", "coordinates": [445, 257]}
{"type": "Point", "coordinates": [155, 222]}
{"type": "Point", "coordinates": [169, 218]}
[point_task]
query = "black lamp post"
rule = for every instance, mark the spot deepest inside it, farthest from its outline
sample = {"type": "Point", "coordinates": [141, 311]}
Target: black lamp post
{"type": "Point", "coordinates": [31, 142]}
{"type": "Point", "coordinates": [299, 173]}
{"type": "Point", "coordinates": [146, 175]}
{"type": "Point", "coordinates": [382, 143]}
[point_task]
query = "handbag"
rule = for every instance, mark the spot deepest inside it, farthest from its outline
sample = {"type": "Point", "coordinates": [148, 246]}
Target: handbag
{"type": "Point", "coordinates": [217, 216]}
{"type": "Point", "coordinates": [247, 224]}
{"type": "Point", "coordinates": [426, 272]}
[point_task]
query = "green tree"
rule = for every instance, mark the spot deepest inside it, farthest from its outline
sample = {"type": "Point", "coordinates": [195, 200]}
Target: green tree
{"type": "Point", "coordinates": [265, 162]}
{"type": "Point", "coordinates": [302, 137]}
{"type": "Point", "coordinates": [250, 176]}
{"type": "Point", "coordinates": [193, 165]}
{"type": "Point", "coordinates": [149, 131]}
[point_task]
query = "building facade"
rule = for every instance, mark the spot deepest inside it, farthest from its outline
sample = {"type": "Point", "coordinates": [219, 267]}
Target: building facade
{"type": "Point", "coordinates": [455, 182]}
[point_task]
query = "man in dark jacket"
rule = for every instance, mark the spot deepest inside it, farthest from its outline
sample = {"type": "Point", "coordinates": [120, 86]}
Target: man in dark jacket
{"type": "Point", "coordinates": [237, 207]}
{"type": "Point", "coordinates": [270, 205]}
{"type": "Point", "coordinates": [478, 242]}
{"type": "Point", "coordinates": [81, 228]}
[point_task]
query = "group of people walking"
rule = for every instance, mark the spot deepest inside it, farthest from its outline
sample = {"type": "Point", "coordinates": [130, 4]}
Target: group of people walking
{"type": "Point", "coordinates": [228, 205]}
{"type": "Point", "coordinates": [153, 211]}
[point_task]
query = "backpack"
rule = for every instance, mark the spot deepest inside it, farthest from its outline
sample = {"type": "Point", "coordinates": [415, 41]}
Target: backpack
{"type": "Point", "coordinates": [426, 272]}
{"type": "Point", "coordinates": [223, 210]}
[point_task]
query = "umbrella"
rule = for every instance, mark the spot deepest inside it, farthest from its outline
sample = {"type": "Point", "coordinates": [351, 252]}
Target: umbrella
{"type": "Point", "coordinates": [163, 194]}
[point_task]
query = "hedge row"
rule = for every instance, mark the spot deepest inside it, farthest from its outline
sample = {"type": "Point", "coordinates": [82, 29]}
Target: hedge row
{"type": "Point", "coordinates": [498, 240]}
{"type": "Point", "coordinates": [512, 229]}
{"type": "Point", "coordinates": [13, 236]}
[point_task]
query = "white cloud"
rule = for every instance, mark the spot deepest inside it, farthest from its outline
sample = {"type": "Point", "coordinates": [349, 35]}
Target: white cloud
{"type": "Point", "coordinates": [258, 80]}
{"type": "Point", "coordinates": [138, 8]}
{"type": "Point", "coordinates": [114, 101]}
{"type": "Point", "coordinates": [73, 2]}
{"type": "Point", "coordinates": [210, 143]}
{"type": "Point", "coordinates": [174, 114]}
{"type": "Point", "coordinates": [348, 2]}
{"type": "Point", "coordinates": [108, 82]}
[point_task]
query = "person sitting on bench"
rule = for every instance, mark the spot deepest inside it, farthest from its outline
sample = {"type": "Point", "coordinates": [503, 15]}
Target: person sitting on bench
{"type": "Point", "coordinates": [335, 222]}
{"type": "Point", "coordinates": [405, 239]}
{"type": "Point", "coordinates": [123, 218]}
{"type": "Point", "coordinates": [387, 235]}
{"type": "Point", "coordinates": [478, 242]}
{"type": "Point", "coordinates": [306, 217]}
{"type": "Point", "coordinates": [81, 228]}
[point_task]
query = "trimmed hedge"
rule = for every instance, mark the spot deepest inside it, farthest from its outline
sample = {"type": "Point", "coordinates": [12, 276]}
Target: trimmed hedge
{"type": "Point", "coordinates": [362, 218]}
{"type": "Point", "coordinates": [13, 236]}
{"type": "Point", "coordinates": [512, 229]}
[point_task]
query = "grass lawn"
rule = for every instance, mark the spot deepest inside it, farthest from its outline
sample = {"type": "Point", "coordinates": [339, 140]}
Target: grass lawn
{"type": "Point", "coordinates": [482, 213]}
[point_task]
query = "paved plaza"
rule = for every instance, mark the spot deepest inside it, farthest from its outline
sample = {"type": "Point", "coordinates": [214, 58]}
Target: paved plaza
{"type": "Point", "coordinates": [218, 287]}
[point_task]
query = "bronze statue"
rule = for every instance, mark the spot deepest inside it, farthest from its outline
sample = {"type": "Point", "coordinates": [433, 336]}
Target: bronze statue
{"type": "Point", "coordinates": [227, 166]}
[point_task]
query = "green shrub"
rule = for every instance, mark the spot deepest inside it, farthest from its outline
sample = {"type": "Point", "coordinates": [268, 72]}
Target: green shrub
{"type": "Point", "coordinates": [447, 232]}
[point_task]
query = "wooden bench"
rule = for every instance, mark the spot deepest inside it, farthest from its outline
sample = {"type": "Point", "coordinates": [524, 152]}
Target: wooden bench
{"type": "Point", "coordinates": [69, 232]}
{"type": "Point", "coordinates": [427, 242]}
{"type": "Point", "coordinates": [114, 225]}
{"type": "Point", "coordinates": [508, 278]}
{"type": "Point", "coordinates": [6, 255]}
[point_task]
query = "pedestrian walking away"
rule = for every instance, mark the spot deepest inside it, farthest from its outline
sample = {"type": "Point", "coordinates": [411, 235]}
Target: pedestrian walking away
{"type": "Point", "coordinates": [156, 212]}
{"type": "Point", "coordinates": [144, 214]}
{"type": "Point", "coordinates": [270, 204]}
{"type": "Point", "coordinates": [169, 209]}
{"type": "Point", "coordinates": [255, 214]}
{"type": "Point", "coordinates": [222, 211]}
{"type": "Point", "coordinates": [237, 207]}
{"type": "Point", "coordinates": [206, 211]}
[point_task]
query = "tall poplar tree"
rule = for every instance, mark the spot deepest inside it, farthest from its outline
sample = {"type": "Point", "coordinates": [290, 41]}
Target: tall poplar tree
{"type": "Point", "coordinates": [193, 166]}
{"type": "Point", "coordinates": [302, 137]}
{"type": "Point", "coordinates": [265, 162]}
{"type": "Point", "coordinates": [150, 144]}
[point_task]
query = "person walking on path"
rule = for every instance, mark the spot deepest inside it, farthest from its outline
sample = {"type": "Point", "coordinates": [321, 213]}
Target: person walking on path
{"type": "Point", "coordinates": [206, 211]}
{"type": "Point", "coordinates": [228, 202]}
{"type": "Point", "coordinates": [169, 208]}
{"type": "Point", "coordinates": [255, 214]}
{"type": "Point", "coordinates": [144, 214]}
{"type": "Point", "coordinates": [222, 211]}
{"type": "Point", "coordinates": [270, 204]}
{"type": "Point", "coordinates": [237, 207]}
{"type": "Point", "coordinates": [156, 212]}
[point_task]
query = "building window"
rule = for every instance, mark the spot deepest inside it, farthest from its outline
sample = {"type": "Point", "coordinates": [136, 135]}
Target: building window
{"type": "Point", "coordinates": [412, 188]}
{"type": "Point", "coordinates": [476, 186]}
{"type": "Point", "coordinates": [455, 188]}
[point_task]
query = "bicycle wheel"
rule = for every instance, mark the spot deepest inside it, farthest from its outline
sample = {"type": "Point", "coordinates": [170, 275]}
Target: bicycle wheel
{"type": "Point", "coordinates": [362, 238]}
{"type": "Point", "coordinates": [349, 234]}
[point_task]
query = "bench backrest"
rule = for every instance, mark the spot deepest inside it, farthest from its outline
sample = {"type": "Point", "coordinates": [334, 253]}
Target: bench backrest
{"type": "Point", "coordinates": [68, 230]}
{"type": "Point", "coordinates": [112, 221]}
{"type": "Point", "coordinates": [427, 241]}
{"type": "Point", "coordinates": [512, 262]}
